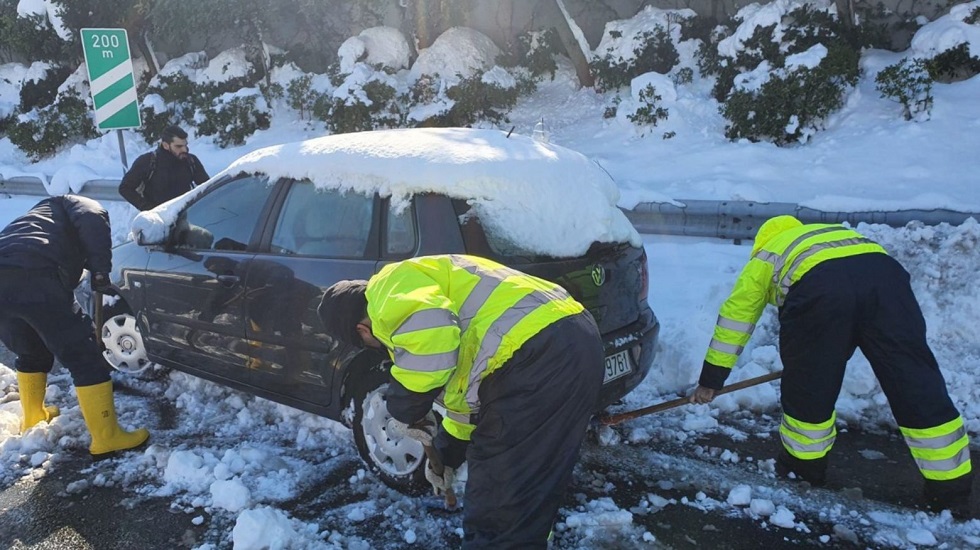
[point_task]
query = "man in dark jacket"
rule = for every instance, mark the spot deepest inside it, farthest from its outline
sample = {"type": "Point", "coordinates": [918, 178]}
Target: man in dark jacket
{"type": "Point", "coordinates": [160, 175]}
{"type": "Point", "coordinates": [42, 255]}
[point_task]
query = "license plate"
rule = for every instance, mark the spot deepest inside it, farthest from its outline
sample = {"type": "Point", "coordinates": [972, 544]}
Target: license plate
{"type": "Point", "coordinates": [617, 366]}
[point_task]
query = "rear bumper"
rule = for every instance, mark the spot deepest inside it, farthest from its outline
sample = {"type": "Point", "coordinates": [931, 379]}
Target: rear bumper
{"type": "Point", "coordinates": [640, 339]}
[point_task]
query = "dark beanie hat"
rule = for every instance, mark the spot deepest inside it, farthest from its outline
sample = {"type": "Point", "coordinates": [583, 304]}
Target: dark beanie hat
{"type": "Point", "coordinates": [343, 306]}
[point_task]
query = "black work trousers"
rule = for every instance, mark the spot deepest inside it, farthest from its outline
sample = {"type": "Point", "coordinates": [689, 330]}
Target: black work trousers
{"type": "Point", "coordinates": [865, 302]}
{"type": "Point", "coordinates": [534, 413]}
{"type": "Point", "coordinates": [40, 320]}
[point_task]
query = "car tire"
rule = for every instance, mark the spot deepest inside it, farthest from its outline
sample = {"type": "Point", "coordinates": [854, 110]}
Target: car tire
{"type": "Point", "coordinates": [123, 346]}
{"type": "Point", "coordinates": [399, 461]}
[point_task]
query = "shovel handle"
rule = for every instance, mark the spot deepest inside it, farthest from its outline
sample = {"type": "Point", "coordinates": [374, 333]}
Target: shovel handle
{"type": "Point", "coordinates": [629, 415]}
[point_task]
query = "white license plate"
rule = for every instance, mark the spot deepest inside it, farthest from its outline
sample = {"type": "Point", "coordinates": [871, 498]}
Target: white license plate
{"type": "Point", "coordinates": [617, 366]}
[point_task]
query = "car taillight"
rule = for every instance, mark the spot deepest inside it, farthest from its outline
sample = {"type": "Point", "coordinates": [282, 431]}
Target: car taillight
{"type": "Point", "coordinates": [644, 278]}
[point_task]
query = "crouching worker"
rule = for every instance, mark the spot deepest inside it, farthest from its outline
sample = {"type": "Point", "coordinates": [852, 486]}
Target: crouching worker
{"type": "Point", "coordinates": [837, 290]}
{"type": "Point", "coordinates": [42, 254]}
{"type": "Point", "coordinates": [516, 361]}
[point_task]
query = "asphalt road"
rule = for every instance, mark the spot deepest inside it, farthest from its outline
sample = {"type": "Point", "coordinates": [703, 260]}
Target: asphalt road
{"type": "Point", "coordinates": [46, 513]}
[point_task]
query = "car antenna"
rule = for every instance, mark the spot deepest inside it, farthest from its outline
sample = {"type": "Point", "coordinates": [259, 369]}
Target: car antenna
{"type": "Point", "coordinates": [511, 131]}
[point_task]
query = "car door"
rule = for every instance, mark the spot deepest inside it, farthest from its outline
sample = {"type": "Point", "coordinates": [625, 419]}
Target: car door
{"type": "Point", "coordinates": [195, 286]}
{"type": "Point", "coordinates": [320, 236]}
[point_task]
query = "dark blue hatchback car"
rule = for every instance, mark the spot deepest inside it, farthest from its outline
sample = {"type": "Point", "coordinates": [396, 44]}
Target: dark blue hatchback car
{"type": "Point", "coordinates": [223, 283]}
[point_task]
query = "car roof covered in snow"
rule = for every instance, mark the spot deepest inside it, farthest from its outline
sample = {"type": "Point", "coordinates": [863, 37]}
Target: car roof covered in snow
{"type": "Point", "coordinates": [550, 199]}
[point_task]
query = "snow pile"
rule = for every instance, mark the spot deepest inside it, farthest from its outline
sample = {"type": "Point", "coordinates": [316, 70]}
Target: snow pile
{"type": "Point", "coordinates": [948, 32]}
{"type": "Point", "coordinates": [458, 52]}
{"type": "Point", "coordinates": [384, 46]}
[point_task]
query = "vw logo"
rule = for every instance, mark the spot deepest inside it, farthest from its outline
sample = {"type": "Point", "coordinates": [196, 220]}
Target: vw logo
{"type": "Point", "coordinates": [598, 275]}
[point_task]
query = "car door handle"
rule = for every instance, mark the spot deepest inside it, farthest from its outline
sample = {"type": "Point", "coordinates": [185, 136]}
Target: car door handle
{"type": "Point", "coordinates": [228, 280]}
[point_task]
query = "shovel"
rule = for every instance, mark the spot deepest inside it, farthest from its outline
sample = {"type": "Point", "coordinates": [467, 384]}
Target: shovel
{"type": "Point", "coordinates": [610, 420]}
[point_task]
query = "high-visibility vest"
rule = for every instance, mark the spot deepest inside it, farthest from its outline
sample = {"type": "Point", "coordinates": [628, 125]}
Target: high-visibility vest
{"type": "Point", "coordinates": [450, 321]}
{"type": "Point", "coordinates": [768, 276]}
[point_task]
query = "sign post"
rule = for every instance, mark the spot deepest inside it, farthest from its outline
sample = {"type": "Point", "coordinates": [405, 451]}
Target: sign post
{"type": "Point", "coordinates": [111, 80]}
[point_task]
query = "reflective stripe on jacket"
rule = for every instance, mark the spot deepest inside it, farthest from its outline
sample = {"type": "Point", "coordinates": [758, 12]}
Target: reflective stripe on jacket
{"type": "Point", "coordinates": [450, 321]}
{"type": "Point", "coordinates": [768, 276]}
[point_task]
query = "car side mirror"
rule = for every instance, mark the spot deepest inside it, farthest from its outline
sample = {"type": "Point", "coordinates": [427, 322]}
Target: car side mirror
{"type": "Point", "coordinates": [143, 240]}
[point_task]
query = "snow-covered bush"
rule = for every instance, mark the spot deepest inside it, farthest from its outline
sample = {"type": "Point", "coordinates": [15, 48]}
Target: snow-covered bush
{"type": "Point", "coordinates": [456, 82]}
{"type": "Point", "coordinates": [785, 68]}
{"type": "Point", "coordinates": [645, 43]}
{"type": "Point", "coordinates": [951, 43]}
{"type": "Point", "coordinates": [536, 51]}
{"type": "Point", "coordinates": [29, 35]}
{"type": "Point", "coordinates": [954, 64]}
{"type": "Point", "coordinates": [361, 106]}
{"type": "Point", "coordinates": [42, 90]}
{"type": "Point", "coordinates": [907, 82]}
{"type": "Point", "coordinates": [301, 96]}
{"type": "Point", "coordinates": [233, 117]}
{"type": "Point", "coordinates": [488, 96]}
{"type": "Point", "coordinates": [193, 90]}
{"type": "Point", "coordinates": [650, 111]}
{"type": "Point", "coordinates": [45, 130]}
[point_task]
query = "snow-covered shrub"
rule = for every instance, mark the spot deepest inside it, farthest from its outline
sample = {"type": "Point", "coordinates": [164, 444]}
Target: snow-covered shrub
{"type": "Point", "coordinates": [907, 82]}
{"type": "Point", "coordinates": [650, 111]}
{"type": "Point", "coordinates": [30, 36]}
{"type": "Point", "coordinates": [488, 96]}
{"type": "Point", "coordinates": [233, 117]}
{"type": "Point", "coordinates": [784, 70]}
{"type": "Point", "coordinates": [43, 131]}
{"type": "Point", "coordinates": [655, 52]}
{"type": "Point", "coordinates": [301, 96]}
{"type": "Point", "coordinates": [368, 106]}
{"type": "Point", "coordinates": [535, 51]}
{"type": "Point", "coordinates": [168, 99]}
{"type": "Point", "coordinates": [951, 43]}
{"type": "Point", "coordinates": [644, 43]}
{"type": "Point", "coordinates": [196, 91]}
{"type": "Point", "coordinates": [954, 64]}
{"type": "Point", "coordinates": [42, 91]}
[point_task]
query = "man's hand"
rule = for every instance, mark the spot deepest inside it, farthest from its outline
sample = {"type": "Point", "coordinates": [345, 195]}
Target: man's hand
{"type": "Point", "coordinates": [440, 483]}
{"type": "Point", "coordinates": [702, 395]}
{"type": "Point", "coordinates": [423, 430]}
{"type": "Point", "coordinates": [100, 283]}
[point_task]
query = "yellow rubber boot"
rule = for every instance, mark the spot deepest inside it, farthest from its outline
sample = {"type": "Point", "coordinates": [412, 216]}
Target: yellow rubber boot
{"type": "Point", "coordinates": [99, 412]}
{"type": "Point", "coordinates": [32, 387]}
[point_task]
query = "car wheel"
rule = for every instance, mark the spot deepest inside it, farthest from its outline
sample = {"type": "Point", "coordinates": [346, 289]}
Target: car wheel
{"type": "Point", "coordinates": [123, 347]}
{"type": "Point", "coordinates": [398, 460]}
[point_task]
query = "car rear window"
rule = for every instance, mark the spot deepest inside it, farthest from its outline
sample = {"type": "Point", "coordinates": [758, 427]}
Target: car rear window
{"type": "Point", "coordinates": [483, 241]}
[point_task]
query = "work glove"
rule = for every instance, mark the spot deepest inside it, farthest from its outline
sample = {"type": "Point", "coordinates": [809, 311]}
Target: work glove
{"type": "Point", "coordinates": [702, 395]}
{"type": "Point", "coordinates": [441, 484]}
{"type": "Point", "coordinates": [100, 283]}
{"type": "Point", "coordinates": [422, 430]}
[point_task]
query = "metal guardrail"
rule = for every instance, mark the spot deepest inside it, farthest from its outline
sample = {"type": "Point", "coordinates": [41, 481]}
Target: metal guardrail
{"type": "Point", "coordinates": [741, 219]}
{"type": "Point", "coordinates": [695, 218]}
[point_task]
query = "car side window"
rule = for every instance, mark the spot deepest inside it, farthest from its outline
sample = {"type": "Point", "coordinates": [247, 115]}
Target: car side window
{"type": "Point", "coordinates": [400, 236]}
{"type": "Point", "coordinates": [323, 222]}
{"type": "Point", "coordinates": [225, 218]}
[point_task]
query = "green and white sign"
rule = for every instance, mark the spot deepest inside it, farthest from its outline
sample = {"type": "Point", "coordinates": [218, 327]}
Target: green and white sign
{"type": "Point", "coordinates": [110, 76]}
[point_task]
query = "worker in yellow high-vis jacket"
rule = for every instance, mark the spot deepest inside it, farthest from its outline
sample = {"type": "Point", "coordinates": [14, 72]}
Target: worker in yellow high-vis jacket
{"type": "Point", "coordinates": [836, 291]}
{"type": "Point", "coordinates": [518, 364]}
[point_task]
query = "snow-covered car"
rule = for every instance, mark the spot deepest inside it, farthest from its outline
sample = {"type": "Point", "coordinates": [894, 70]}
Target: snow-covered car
{"type": "Point", "coordinates": [224, 282]}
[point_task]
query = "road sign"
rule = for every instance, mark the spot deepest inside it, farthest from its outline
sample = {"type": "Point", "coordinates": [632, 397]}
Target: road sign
{"type": "Point", "coordinates": [110, 76]}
